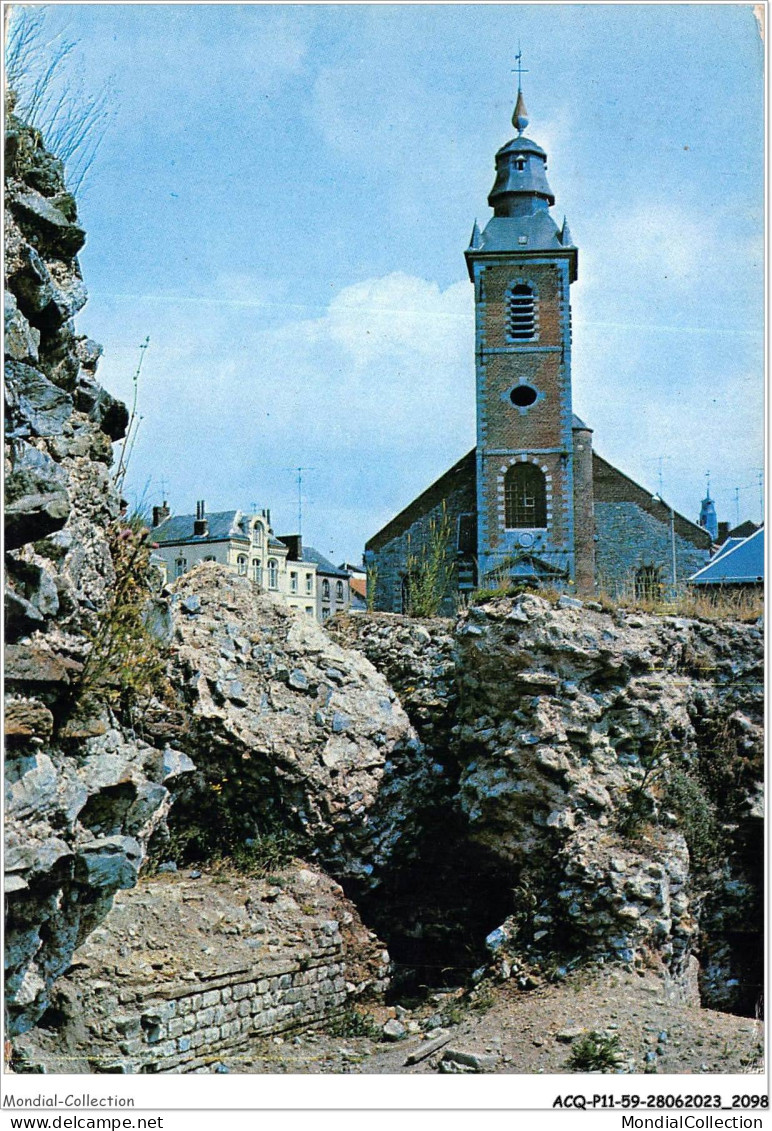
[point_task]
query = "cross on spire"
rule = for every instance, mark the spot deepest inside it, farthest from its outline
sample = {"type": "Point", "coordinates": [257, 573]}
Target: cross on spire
{"type": "Point", "coordinates": [521, 70]}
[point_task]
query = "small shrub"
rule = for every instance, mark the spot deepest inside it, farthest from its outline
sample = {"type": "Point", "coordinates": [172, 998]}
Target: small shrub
{"type": "Point", "coordinates": [702, 832]}
{"type": "Point", "coordinates": [352, 1023]}
{"type": "Point", "coordinates": [372, 583]}
{"type": "Point", "coordinates": [430, 570]}
{"type": "Point", "coordinates": [125, 662]}
{"type": "Point", "coordinates": [482, 1002]}
{"type": "Point", "coordinates": [595, 1052]}
{"type": "Point", "coordinates": [453, 1015]}
{"type": "Point", "coordinates": [639, 802]}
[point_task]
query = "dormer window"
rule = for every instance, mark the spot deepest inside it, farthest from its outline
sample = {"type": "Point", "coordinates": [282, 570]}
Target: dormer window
{"type": "Point", "coordinates": [257, 534]}
{"type": "Point", "coordinates": [521, 312]}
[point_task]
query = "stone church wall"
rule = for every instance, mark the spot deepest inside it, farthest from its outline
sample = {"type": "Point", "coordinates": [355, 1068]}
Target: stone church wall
{"type": "Point", "coordinates": [411, 534]}
{"type": "Point", "coordinates": [629, 537]}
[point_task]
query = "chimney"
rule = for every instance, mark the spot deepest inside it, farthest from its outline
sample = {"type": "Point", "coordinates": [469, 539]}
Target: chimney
{"type": "Point", "coordinates": [160, 514]}
{"type": "Point", "coordinates": [294, 544]}
{"type": "Point", "coordinates": [201, 524]}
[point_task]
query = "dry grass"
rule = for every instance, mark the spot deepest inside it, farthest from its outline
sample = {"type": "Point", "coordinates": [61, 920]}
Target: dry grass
{"type": "Point", "coordinates": [744, 605]}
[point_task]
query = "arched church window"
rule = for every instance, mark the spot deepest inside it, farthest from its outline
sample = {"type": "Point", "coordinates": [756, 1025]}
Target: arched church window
{"type": "Point", "coordinates": [326, 590]}
{"type": "Point", "coordinates": [338, 590]}
{"type": "Point", "coordinates": [648, 583]}
{"type": "Point", "coordinates": [521, 312]}
{"type": "Point", "coordinates": [525, 497]}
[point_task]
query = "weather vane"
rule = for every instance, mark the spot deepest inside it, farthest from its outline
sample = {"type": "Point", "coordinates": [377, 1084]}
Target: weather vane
{"type": "Point", "coordinates": [521, 70]}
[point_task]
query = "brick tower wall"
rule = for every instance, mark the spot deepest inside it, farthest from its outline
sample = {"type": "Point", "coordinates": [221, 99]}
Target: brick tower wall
{"type": "Point", "coordinates": [541, 433]}
{"type": "Point", "coordinates": [584, 518]}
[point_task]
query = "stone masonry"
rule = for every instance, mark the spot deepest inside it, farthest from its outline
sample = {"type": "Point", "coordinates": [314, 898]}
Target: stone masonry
{"type": "Point", "coordinates": [187, 970]}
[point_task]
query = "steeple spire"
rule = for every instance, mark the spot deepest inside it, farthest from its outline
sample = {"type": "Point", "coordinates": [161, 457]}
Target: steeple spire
{"type": "Point", "coordinates": [520, 116]}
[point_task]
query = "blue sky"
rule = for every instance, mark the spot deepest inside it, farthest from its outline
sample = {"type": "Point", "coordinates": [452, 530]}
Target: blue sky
{"type": "Point", "coordinates": [283, 199]}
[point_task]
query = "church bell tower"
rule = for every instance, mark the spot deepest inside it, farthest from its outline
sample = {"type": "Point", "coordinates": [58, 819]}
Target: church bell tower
{"type": "Point", "coordinates": [522, 266]}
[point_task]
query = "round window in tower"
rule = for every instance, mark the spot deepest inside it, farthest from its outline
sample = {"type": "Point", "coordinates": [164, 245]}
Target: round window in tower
{"type": "Point", "coordinates": [523, 396]}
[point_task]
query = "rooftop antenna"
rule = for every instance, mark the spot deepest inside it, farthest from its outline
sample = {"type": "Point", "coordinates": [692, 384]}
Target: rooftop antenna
{"type": "Point", "coordinates": [761, 494]}
{"type": "Point", "coordinates": [299, 471]}
{"type": "Point", "coordinates": [707, 476]}
{"type": "Point", "coordinates": [164, 488]}
{"type": "Point", "coordinates": [737, 505]}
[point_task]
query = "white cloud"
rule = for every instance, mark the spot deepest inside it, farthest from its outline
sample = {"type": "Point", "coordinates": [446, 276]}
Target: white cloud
{"type": "Point", "coordinates": [377, 393]}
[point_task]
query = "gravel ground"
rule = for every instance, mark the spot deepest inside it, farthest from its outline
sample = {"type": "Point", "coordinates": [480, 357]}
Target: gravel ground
{"type": "Point", "coordinates": [535, 1031]}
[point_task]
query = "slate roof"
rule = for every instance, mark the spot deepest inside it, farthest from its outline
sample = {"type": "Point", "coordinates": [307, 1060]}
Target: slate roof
{"type": "Point", "coordinates": [609, 485]}
{"type": "Point", "coordinates": [179, 528]}
{"type": "Point", "coordinates": [742, 564]}
{"type": "Point", "coordinates": [323, 564]}
{"type": "Point", "coordinates": [725, 547]}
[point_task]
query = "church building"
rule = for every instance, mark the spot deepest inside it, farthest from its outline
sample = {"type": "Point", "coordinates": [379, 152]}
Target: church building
{"type": "Point", "coordinates": [532, 501]}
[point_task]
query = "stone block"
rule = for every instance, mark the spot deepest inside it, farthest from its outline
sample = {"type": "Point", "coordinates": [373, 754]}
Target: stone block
{"type": "Point", "coordinates": [205, 1017]}
{"type": "Point", "coordinates": [211, 997]}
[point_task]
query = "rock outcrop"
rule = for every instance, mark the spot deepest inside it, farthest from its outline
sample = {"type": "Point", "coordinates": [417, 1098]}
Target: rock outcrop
{"type": "Point", "coordinates": [609, 767]}
{"type": "Point", "coordinates": [288, 730]}
{"type": "Point", "coordinates": [83, 794]}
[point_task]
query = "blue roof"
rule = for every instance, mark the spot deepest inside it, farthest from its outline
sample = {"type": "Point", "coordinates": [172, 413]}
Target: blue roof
{"type": "Point", "coordinates": [741, 563]}
{"type": "Point", "coordinates": [725, 547]}
{"type": "Point", "coordinates": [323, 564]}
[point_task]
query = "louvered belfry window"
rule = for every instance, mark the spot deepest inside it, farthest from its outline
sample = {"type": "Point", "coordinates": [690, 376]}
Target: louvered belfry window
{"type": "Point", "coordinates": [525, 498]}
{"type": "Point", "coordinates": [521, 312]}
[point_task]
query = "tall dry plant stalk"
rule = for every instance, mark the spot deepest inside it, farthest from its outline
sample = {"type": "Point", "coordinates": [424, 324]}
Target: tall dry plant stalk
{"type": "Point", "coordinates": [50, 95]}
{"type": "Point", "coordinates": [430, 569]}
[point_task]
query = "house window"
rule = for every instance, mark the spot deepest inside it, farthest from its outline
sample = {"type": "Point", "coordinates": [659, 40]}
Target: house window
{"type": "Point", "coordinates": [339, 591]}
{"type": "Point", "coordinates": [525, 497]}
{"type": "Point", "coordinates": [241, 561]}
{"type": "Point", "coordinates": [293, 583]}
{"type": "Point", "coordinates": [325, 614]}
{"type": "Point", "coordinates": [210, 558]}
{"type": "Point", "coordinates": [325, 590]}
{"type": "Point", "coordinates": [257, 571]}
{"type": "Point", "coordinates": [257, 534]}
{"type": "Point", "coordinates": [273, 574]}
{"type": "Point", "coordinates": [521, 312]}
{"type": "Point", "coordinates": [309, 583]}
{"type": "Point", "coordinates": [310, 610]}
{"type": "Point", "coordinates": [180, 565]}
{"type": "Point", "coordinates": [648, 583]}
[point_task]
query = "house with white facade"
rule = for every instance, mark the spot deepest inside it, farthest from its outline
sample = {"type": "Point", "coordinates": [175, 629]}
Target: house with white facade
{"type": "Point", "coordinates": [246, 543]}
